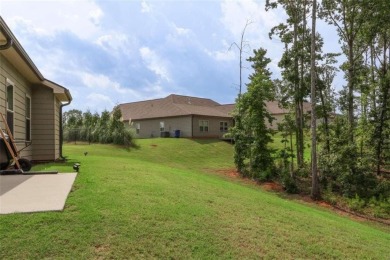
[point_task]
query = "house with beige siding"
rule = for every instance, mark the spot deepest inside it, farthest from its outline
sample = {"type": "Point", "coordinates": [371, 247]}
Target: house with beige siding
{"type": "Point", "coordinates": [31, 104]}
{"type": "Point", "coordinates": [194, 117]}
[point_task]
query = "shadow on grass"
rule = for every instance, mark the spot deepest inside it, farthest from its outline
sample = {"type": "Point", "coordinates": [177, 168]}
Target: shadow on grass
{"type": "Point", "coordinates": [206, 140]}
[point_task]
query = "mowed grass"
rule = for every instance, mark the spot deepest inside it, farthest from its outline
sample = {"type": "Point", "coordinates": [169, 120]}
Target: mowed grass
{"type": "Point", "coordinates": [165, 200]}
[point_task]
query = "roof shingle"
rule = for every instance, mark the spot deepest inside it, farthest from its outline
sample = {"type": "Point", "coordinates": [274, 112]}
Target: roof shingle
{"type": "Point", "coordinates": [178, 105]}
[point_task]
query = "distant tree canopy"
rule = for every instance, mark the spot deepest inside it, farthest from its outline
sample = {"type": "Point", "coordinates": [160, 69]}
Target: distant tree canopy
{"type": "Point", "coordinates": [354, 144]}
{"type": "Point", "coordinates": [94, 128]}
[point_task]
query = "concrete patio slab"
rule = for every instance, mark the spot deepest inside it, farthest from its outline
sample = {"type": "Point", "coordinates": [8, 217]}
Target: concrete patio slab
{"type": "Point", "coordinates": [34, 193]}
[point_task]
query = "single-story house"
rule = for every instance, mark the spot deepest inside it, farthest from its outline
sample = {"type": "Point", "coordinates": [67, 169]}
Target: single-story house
{"type": "Point", "coordinates": [194, 117]}
{"type": "Point", "coordinates": [31, 104]}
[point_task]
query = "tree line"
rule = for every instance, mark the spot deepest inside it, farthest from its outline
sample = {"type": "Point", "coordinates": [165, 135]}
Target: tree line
{"type": "Point", "coordinates": [353, 138]}
{"type": "Point", "coordinates": [104, 128]}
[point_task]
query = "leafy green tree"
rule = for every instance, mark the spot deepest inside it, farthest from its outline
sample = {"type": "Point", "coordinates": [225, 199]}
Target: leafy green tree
{"type": "Point", "coordinates": [326, 72]}
{"type": "Point", "coordinates": [377, 37]}
{"type": "Point", "coordinates": [253, 134]}
{"type": "Point", "coordinates": [349, 17]}
{"type": "Point", "coordinates": [72, 123]}
{"type": "Point", "coordinates": [295, 62]}
{"type": "Point", "coordinates": [89, 123]}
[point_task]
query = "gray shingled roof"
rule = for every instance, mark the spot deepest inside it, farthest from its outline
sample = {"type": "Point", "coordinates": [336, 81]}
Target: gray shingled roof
{"type": "Point", "coordinates": [177, 105]}
{"type": "Point", "coordinates": [174, 105]}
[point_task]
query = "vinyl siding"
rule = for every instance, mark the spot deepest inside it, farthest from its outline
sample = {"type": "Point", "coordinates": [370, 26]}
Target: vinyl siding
{"type": "Point", "coordinates": [151, 127]}
{"type": "Point", "coordinates": [213, 124]}
{"type": "Point", "coordinates": [21, 89]}
{"type": "Point", "coordinates": [277, 120]}
{"type": "Point", "coordinates": [43, 124]}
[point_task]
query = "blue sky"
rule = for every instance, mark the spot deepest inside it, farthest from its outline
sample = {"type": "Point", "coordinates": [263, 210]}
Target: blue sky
{"type": "Point", "coordinates": [116, 51]}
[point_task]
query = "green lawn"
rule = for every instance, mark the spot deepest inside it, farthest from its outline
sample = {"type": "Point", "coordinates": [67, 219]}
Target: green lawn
{"type": "Point", "coordinates": [164, 200]}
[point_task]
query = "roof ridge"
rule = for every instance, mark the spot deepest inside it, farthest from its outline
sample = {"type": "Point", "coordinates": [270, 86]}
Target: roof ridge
{"type": "Point", "coordinates": [141, 101]}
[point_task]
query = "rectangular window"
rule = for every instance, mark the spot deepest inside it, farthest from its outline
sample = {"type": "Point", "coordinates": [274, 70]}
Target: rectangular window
{"type": "Point", "coordinates": [162, 126]}
{"type": "Point", "coordinates": [203, 125]}
{"type": "Point", "coordinates": [10, 107]}
{"type": "Point", "coordinates": [28, 118]}
{"type": "Point", "coordinates": [137, 127]}
{"type": "Point", "coordinates": [223, 126]}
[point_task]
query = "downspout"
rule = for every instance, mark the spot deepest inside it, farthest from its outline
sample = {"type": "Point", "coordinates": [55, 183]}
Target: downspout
{"type": "Point", "coordinates": [61, 126]}
{"type": "Point", "coordinates": [192, 126]}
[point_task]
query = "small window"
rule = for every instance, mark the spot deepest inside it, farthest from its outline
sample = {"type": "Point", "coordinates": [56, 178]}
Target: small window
{"type": "Point", "coordinates": [10, 108]}
{"type": "Point", "coordinates": [203, 125]}
{"type": "Point", "coordinates": [28, 118]}
{"type": "Point", "coordinates": [223, 126]}
{"type": "Point", "coordinates": [162, 127]}
{"type": "Point", "coordinates": [137, 127]}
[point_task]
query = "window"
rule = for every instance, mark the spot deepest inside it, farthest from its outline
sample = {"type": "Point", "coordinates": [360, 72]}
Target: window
{"type": "Point", "coordinates": [203, 125]}
{"type": "Point", "coordinates": [28, 118]}
{"type": "Point", "coordinates": [137, 128]}
{"type": "Point", "coordinates": [10, 107]}
{"type": "Point", "coordinates": [162, 127]}
{"type": "Point", "coordinates": [223, 126]}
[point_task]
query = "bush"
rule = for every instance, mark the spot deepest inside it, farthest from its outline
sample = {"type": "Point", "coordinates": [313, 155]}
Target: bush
{"type": "Point", "coordinates": [288, 182]}
{"type": "Point", "coordinates": [105, 129]}
{"type": "Point", "coordinates": [356, 204]}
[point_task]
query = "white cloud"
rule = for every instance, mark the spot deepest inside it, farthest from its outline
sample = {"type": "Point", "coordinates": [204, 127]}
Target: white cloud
{"type": "Point", "coordinates": [155, 63]}
{"type": "Point", "coordinates": [226, 54]}
{"type": "Point", "coordinates": [94, 100]}
{"type": "Point", "coordinates": [95, 16]}
{"type": "Point", "coordinates": [78, 17]}
{"type": "Point", "coordinates": [99, 81]}
{"type": "Point", "coordinates": [116, 43]}
{"type": "Point", "coordinates": [182, 31]}
{"type": "Point", "coordinates": [145, 7]}
{"type": "Point", "coordinates": [237, 13]}
{"type": "Point", "coordinates": [221, 55]}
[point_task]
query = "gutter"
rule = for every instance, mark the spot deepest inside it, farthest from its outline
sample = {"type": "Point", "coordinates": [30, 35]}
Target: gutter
{"type": "Point", "coordinates": [12, 41]}
{"type": "Point", "coordinates": [9, 42]}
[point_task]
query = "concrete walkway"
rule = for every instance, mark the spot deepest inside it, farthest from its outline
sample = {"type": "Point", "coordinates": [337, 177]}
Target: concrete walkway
{"type": "Point", "coordinates": [33, 193]}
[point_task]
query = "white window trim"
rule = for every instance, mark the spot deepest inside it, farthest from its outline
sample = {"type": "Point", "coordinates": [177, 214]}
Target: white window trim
{"type": "Point", "coordinates": [202, 125]}
{"type": "Point", "coordinates": [223, 126]}
{"type": "Point", "coordinates": [162, 126]}
{"type": "Point", "coordinates": [10, 83]}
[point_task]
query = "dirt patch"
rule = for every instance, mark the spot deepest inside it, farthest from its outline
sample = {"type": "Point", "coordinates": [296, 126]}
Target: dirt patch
{"type": "Point", "coordinates": [229, 173]}
{"type": "Point", "coordinates": [101, 248]}
{"type": "Point", "coordinates": [272, 186]}
{"type": "Point", "coordinates": [233, 173]}
{"type": "Point", "coordinates": [153, 145]}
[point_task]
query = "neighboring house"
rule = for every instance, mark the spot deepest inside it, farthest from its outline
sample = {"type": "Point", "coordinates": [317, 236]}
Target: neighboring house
{"type": "Point", "coordinates": [192, 116]}
{"type": "Point", "coordinates": [31, 104]}
{"type": "Point", "coordinates": [279, 113]}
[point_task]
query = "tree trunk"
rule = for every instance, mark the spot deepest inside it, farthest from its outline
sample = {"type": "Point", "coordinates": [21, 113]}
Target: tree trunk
{"type": "Point", "coordinates": [301, 86]}
{"type": "Point", "coordinates": [351, 80]}
{"type": "Point", "coordinates": [315, 189]}
{"type": "Point", "coordinates": [326, 122]}
{"type": "Point", "coordinates": [383, 108]}
{"type": "Point", "coordinates": [297, 102]}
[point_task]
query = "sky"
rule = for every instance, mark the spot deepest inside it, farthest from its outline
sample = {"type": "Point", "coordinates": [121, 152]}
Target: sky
{"type": "Point", "coordinates": [108, 52]}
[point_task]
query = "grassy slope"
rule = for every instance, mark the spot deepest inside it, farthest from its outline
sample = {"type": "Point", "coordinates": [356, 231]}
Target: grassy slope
{"type": "Point", "coordinates": [162, 201]}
